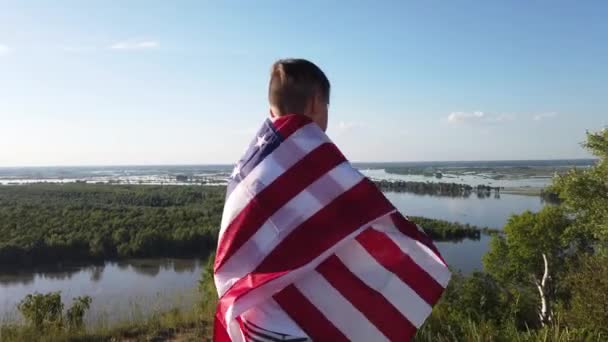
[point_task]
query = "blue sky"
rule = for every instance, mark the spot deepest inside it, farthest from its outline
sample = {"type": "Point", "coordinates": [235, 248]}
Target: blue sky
{"type": "Point", "coordinates": [184, 82]}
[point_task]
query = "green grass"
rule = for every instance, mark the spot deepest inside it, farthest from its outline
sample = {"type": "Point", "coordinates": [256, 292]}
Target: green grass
{"type": "Point", "coordinates": [195, 324]}
{"type": "Point", "coordinates": [484, 331]}
{"type": "Point", "coordinates": [190, 324]}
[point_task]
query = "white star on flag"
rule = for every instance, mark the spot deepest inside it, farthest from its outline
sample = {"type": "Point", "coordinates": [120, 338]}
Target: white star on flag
{"type": "Point", "coordinates": [261, 141]}
{"type": "Point", "coordinates": [236, 171]}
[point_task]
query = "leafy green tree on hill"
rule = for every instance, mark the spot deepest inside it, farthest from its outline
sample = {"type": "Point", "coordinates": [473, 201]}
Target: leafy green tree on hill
{"type": "Point", "coordinates": [531, 254]}
{"type": "Point", "coordinates": [584, 193]}
{"type": "Point", "coordinates": [585, 198]}
{"type": "Point", "coordinates": [562, 250]}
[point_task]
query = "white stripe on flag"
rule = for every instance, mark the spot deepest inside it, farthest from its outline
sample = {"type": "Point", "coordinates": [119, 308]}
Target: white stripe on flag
{"type": "Point", "coordinates": [270, 315]}
{"type": "Point", "coordinates": [295, 212]}
{"type": "Point", "coordinates": [374, 275]}
{"type": "Point", "coordinates": [282, 158]}
{"type": "Point", "coordinates": [338, 309]}
{"type": "Point", "coordinates": [419, 252]}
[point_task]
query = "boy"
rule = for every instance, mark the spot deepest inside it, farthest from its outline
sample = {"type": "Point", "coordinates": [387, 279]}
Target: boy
{"type": "Point", "coordinates": [308, 247]}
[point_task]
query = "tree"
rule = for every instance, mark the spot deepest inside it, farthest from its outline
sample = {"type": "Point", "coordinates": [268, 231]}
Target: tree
{"type": "Point", "coordinates": [585, 195]}
{"type": "Point", "coordinates": [588, 284]}
{"type": "Point", "coordinates": [531, 253]}
{"type": "Point", "coordinates": [477, 297]}
{"type": "Point", "coordinates": [562, 250]}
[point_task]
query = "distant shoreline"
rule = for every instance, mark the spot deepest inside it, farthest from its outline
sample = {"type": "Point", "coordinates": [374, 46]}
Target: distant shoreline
{"type": "Point", "coordinates": [530, 162]}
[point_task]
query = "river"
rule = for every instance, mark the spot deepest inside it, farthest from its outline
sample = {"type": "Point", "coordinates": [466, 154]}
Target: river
{"type": "Point", "coordinates": [121, 290]}
{"type": "Point", "coordinates": [483, 212]}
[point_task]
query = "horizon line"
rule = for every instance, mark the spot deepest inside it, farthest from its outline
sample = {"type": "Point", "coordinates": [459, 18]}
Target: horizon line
{"type": "Point", "coordinates": [352, 162]}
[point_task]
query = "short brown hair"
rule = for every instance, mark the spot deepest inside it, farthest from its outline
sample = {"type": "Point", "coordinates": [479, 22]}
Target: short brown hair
{"type": "Point", "coordinates": [293, 82]}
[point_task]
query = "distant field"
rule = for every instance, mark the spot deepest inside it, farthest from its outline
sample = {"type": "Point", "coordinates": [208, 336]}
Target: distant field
{"type": "Point", "coordinates": [495, 170]}
{"type": "Point", "coordinates": [489, 172]}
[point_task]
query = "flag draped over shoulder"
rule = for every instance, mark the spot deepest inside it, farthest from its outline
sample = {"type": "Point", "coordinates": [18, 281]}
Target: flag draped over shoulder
{"type": "Point", "coordinates": [303, 229]}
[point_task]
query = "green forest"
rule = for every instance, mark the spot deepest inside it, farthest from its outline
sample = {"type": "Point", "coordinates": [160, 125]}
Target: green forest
{"type": "Point", "coordinates": [75, 222]}
{"type": "Point", "coordinates": [81, 222]}
{"type": "Point", "coordinates": [437, 189]}
{"type": "Point", "coordinates": [440, 230]}
{"type": "Point", "coordinates": [544, 279]}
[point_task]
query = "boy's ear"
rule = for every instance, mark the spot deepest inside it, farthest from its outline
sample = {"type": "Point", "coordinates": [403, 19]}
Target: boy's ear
{"type": "Point", "coordinates": [317, 101]}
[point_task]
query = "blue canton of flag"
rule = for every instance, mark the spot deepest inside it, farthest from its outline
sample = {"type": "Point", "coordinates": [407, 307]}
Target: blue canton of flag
{"type": "Point", "coordinates": [265, 141]}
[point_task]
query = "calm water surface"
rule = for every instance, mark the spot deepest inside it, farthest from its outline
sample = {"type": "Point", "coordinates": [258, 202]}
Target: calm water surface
{"type": "Point", "coordinates": [119, 289]}
{"type": "Point", "coordinates": [464, 255]}
{"type": "Point", "coordinates": [483, 212]}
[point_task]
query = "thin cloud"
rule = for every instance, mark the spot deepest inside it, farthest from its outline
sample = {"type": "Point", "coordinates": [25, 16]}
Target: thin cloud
{"type": "Point", "coordinates": [5, 50]}
{"type": "Point", "coordinates": [135, 45]}
{"type": "Point", "coordinates": [544, 116]}
{"type": "Point", "coordinates": [477, 117]}
{"type": "Point", "coordinates": [461, 117]}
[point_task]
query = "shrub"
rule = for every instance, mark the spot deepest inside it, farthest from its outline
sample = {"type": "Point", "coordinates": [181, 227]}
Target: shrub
{"type": "Point", "coordinates": [42, 310]}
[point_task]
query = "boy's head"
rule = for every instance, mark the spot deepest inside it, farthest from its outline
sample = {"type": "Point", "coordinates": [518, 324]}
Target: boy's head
{"type": "Point", "coordinates": [298, 86]}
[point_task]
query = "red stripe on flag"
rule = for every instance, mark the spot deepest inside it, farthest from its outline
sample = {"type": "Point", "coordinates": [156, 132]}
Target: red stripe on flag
{"type": "Point", "coordinates": [352, 209]}
{"type": "Point", "coordinates": [341, 217]}
{"type": "Point", "coordinates": [408, 228]}
{"type": "Point", "coordinates": [307, 316]}
{"type": "Point", "coordinates": [220, 334]}
{"type": "Point", "coordinates": [389, 255]}
{"type": "Point", "coordinates": [371, 303]}
{"type": "Point", "coordinates": [303, 173]}
{"type": "Point", "coordinates": [286, 125]}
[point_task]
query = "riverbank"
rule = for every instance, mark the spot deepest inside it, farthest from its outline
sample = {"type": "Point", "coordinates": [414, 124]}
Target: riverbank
{"type": "Point", "coordinates": [190, 323]}
{"type": "Point", "coordinates": [526, 191]}
{"type": "Point", "coordinates": [173, 325]}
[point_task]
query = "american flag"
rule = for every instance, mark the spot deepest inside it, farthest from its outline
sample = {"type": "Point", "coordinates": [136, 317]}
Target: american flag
{"type": "Point", "coordinates": [308, 236]}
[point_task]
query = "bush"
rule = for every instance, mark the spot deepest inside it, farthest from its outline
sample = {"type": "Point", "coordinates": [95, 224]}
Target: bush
{"type": "Point", "coordinates": [208, 292]}
{"type": "Point", "coordinates": [75, 314]}
{"type": "Point", "coordinates": [42, 310]}
{"type": "Point", "coordinates": [588, 285]}
{"type": "Point", "coordinates": [45, 311]}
